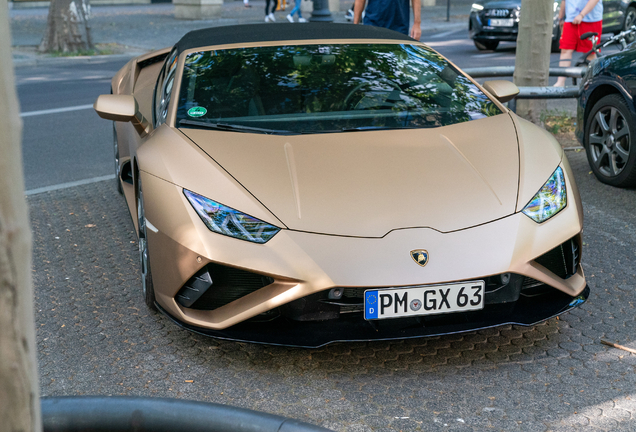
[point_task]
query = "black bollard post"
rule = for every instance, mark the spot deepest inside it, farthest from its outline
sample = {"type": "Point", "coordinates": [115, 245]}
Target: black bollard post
{"type": "Point", "coordinates": [448, 10]}
{"type": "Point", "coordinates": [321, 12]}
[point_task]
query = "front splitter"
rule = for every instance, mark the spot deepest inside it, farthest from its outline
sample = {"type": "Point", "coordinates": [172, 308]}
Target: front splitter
{"type": "Point", "coordinates": [526, 311]}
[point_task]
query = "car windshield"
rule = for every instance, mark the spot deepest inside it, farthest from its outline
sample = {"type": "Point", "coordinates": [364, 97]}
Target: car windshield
{"type": "Point", "coordinates": [326, 88]}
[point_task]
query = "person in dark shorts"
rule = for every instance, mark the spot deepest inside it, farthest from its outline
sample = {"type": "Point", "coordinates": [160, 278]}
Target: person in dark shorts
{"type": "Point", "coordinates": [391, 14]}
{"type": "Point", "coordinates": [578, 17]}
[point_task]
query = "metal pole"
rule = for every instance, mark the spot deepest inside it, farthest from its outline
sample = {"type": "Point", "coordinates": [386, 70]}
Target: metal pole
{"type": "Point", "coordinates": [502, 71]}
{"type": "Point", "coordinates": [512, 105]}
{"type": "Point", "coordinates": [448, 10]}
{"type": "Point", "coordinates": [321, 12]}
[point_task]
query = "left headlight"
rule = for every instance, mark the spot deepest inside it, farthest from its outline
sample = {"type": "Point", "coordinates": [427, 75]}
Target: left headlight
{"type": "Point", "coordinates": [227, 221]}
{"type": "Point", "coordinates": [551, 199]}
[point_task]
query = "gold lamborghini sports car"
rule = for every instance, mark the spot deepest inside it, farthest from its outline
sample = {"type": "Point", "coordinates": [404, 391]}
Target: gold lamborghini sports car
{"type": "Point", "coordinates": [302, 185]}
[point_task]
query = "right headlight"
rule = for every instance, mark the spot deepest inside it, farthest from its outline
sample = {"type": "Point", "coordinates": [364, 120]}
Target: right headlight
{"type": "Point", "coordinates": [230, 222]}
{"type": "Point", "coordinates": [551, 199]}
{"type": "Point", "coordinates": [476, 7]}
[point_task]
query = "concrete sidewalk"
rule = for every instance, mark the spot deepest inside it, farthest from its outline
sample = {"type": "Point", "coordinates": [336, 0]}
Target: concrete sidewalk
{"type": "Point", "coordinates": [136, 29]}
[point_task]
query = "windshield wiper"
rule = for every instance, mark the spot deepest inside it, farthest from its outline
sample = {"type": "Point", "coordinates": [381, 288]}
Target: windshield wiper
{"type": "Point", "coordinates": [234, 127]}
{"type": "Point", "coordinates": [375, 128]}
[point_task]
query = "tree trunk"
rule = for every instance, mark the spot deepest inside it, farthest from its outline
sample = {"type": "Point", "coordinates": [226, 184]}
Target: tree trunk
{"type": "Point", "coordinates": [68, 28]}
{"type": "Point", "coordinates": [19, 399]}
{"type": "Point", "coordinates": [532, 60]}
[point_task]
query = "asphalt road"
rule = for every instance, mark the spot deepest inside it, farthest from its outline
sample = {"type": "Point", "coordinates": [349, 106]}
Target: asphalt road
{"type": "Point", "coordinates": [96, 337]}
{"type": "Point", "coordinates": [62, 147]}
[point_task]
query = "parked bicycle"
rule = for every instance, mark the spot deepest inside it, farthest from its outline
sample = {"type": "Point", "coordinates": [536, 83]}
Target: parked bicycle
{"type": "Point", "coordinates": [619, 38]}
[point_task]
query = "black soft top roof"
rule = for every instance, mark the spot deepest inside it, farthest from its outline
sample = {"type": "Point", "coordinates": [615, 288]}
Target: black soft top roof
{"type": "Point", "coordinates": [280, 32]}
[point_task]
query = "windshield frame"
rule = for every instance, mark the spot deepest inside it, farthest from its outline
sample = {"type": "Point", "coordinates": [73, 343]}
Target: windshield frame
{"type": "Point", "coordinates": [172, 109]}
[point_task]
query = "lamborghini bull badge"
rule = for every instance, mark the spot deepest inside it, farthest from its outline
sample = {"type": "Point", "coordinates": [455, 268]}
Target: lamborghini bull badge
{"type": "Point", "coordinates": [420, 256]}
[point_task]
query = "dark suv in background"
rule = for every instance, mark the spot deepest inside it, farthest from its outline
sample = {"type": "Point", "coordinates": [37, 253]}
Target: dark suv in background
{"type": "Point", "coordinates": [491, 22]}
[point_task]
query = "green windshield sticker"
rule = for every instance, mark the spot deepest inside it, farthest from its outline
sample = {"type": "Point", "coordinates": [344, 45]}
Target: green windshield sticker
{"type": "Point", "coordinates": [197, 111]}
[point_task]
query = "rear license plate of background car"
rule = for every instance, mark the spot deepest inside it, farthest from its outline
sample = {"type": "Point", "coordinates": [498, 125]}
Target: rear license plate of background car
{"type": "Point", "coordinates": [424, 300]}
{"type": "Point", "coordinates": [501, 22]}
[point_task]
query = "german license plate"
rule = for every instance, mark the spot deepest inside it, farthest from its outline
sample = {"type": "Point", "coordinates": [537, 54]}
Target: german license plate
{"type": "Point", "coordinates": [508, 22]}
{"type": "Point", "coordinates": [423, 300]}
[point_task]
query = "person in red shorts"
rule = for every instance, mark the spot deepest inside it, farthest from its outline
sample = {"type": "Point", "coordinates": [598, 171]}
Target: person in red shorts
{"type": "Point", "coordinates": [580, 16]}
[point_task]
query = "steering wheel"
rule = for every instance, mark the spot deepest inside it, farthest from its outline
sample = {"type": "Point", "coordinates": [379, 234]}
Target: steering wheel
{"type": "Point", "coordinates": [366, 84]}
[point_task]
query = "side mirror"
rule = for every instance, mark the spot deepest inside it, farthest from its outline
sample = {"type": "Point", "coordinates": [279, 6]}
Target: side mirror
{"type": "Point", "coordinates": [503, 90]}
{"type": "Point", "coordinates": [123, 108]}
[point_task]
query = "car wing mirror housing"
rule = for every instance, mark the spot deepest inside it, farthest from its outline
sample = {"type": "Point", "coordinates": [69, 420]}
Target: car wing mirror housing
{"type": "Point", "coordinates": [503, 90]}
{"type": "Point", "coordinates": [123, 108]}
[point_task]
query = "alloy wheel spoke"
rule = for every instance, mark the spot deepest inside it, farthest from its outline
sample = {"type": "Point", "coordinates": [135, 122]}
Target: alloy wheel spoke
{"type": "Point", "coordinates": [621, 152]}
{"type": "Point", "coordinates": [596, 140]}
{"type": "Point", "coordinates": [603, 154]}
{"type": "Point", "coordinates": [621, 133]}
{"type": "Point", "coordinates": [614, 116]}
{"type": "Point", "coordinates": [600, 118]}
{"type": "Point", "coordinates": [613, 167]}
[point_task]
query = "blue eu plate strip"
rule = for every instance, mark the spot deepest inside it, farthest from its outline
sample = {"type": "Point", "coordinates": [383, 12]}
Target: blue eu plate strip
{"type": "Point", "coordinates": [371, 305]}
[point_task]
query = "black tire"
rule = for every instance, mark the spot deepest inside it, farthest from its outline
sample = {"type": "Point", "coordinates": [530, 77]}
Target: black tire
{"type": "Point", "coordinates": [117, 163]}
{"type": "Point", "coordinates": [610, 142]}
{"type": "Point", "coordinates": [630, 20]}
{"type": "Point", "coordinates": [554, 45]}
{"type": "Point", "coordinates": [486, 45]}
{"type": "Point", "coordinates": [147, 287]}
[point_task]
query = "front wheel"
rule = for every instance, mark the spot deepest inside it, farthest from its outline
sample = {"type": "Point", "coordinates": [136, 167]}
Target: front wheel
{"type": "Point", "coordinates": [610, 142]}
{"type": "Point", "coordinates": [147, 287]}
{"type": "Point", "coordinates": [117, 162]}
{"type": "Point", "coordinates": [486, 45]}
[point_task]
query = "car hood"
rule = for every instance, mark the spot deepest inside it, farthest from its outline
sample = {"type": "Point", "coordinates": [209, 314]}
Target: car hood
{"type": "Point", "coordinates": [367, 184]}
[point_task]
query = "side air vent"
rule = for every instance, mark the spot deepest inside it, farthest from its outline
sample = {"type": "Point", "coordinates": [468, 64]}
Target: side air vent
{"type": "Point", "coordinates": [563, 260]}
{"type": "Point", "coordinates": [126, 173]}
{"type": "Point", "coordinates": [216, 285]}
{"type": "Point", "coordinates": [152, 60]}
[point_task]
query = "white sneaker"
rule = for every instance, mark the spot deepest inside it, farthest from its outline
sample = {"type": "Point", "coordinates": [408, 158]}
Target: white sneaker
{"type": "Point", "coordinates": [301, 19]}
{"type": "Point", "coordinates": [290, 18]}
{"type": "Point", "coordinates": [349, 15]}
{"type": "Point", "coordinates": [267, 18]}
{"type": "Point", "coordinates": [271, 16]}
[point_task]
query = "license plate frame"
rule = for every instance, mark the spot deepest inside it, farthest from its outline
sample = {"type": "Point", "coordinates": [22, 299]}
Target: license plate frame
{"type": "Point", "coordinates": [433, 300]}
{"type": "Point", "coordinates": [501, 22]}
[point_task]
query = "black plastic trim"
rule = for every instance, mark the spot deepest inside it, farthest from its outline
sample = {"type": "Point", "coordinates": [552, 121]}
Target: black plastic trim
{"type": "Point", "coordinates": [526, 311]}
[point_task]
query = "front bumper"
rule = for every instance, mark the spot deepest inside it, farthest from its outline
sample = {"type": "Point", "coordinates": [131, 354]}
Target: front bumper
{"type": "Point", "coordinates": [526, 311]}
{"type": "Point", "coordinates": [297, 267]}
{"type": "Point", "coordinates": [478, 29]}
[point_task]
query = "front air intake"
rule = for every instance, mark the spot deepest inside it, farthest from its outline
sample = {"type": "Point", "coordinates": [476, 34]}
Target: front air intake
{"type": "Point", "coordinates": [564, 259]}
{"type": "Point", "coordinates": [216, 285]}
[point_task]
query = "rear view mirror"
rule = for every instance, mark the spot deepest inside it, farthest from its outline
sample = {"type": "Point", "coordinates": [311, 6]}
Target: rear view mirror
{"type": "Point", "coordinates": [503, 90]}
{"type": "Point", "coordinates": [121, 108]}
